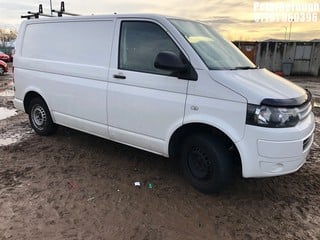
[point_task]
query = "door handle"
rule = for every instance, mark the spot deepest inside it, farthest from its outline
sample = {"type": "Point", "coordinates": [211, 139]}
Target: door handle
{"type": "Point", "coordinates": [119, 76]}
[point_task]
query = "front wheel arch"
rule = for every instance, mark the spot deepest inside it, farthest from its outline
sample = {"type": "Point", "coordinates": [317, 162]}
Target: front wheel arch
{"type": "Point", "coordinates": [186, 130]}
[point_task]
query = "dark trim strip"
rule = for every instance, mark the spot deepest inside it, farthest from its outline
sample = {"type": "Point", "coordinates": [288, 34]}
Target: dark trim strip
{"type": "Point", "coordinates": [290, 102]}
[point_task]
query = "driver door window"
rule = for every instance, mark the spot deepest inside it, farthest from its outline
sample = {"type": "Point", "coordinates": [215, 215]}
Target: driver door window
{"type": "Point", "coordinates": [140, 43]}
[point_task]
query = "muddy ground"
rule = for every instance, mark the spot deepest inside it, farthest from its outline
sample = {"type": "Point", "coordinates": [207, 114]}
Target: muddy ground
{"type": "Point", "coordinates": [76, 186]}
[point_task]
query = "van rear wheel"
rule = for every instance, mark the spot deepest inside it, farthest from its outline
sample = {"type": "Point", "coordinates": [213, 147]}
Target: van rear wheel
{"type": "Point", "coordinates": [206, 163]}
{"type": "Point", "coordinates": [40, 118]}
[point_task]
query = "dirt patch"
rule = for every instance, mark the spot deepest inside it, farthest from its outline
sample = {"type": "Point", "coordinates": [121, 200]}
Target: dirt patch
{"type": "Point", "coordinates": [77, 186]}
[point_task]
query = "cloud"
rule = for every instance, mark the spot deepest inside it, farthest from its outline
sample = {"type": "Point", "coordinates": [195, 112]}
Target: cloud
{"type": "Point", "coordinates": [221, 20]}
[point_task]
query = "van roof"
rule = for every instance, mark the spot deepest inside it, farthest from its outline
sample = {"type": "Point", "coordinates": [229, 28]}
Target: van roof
{"type": "Point", "coordinates": [101, 17]}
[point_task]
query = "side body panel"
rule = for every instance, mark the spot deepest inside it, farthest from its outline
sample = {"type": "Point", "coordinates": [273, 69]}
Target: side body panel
{"type": "Point", "coordinates": [68, 67]}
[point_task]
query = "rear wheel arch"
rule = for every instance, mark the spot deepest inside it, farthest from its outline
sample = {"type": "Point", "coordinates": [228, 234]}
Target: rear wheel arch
{"type": "Point", "coordinates": [40, 116]}
{"type": "Point", "coordinates": [29, 97]}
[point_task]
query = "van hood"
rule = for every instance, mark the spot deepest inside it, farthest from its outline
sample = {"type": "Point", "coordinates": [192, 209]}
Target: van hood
{"type": "Point", "coordinates": [261, 85]}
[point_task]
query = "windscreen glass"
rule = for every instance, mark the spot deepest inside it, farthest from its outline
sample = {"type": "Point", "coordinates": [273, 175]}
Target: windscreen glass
{"type": "Point", "coordinates": [216, 52]}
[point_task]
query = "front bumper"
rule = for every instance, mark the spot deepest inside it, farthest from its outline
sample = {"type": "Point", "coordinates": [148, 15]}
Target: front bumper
{"type": "Point", "coordinates": [267, 152]}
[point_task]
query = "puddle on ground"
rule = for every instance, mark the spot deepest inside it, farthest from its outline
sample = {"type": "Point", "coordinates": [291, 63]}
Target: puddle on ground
{"type": "Point", "coordinates": [5, 113]}
{"type": "Point", "coordinates": [10, 140]}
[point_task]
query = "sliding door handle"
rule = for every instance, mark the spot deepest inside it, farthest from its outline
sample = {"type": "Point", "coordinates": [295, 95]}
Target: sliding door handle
{"type": "Point", "coordinates": [119, 76]}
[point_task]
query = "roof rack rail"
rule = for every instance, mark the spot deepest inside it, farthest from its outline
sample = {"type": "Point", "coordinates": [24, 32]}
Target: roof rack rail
{"type": "Point", "coordinates": [35, 15]}
{"type": "Point", "coordinates": [62, 11]}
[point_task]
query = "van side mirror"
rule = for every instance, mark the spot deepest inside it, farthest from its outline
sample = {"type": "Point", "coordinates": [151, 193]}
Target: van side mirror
{"type": "Point", "coordinates": [180, 68]}
{"type": "Point", "coordinates": [167, 60]}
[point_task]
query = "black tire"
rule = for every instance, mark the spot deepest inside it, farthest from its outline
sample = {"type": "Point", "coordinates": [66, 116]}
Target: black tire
{"type": "Point", "coordinates": [40, 118]}
{"type": "Point", "coordinates": [206, 163]}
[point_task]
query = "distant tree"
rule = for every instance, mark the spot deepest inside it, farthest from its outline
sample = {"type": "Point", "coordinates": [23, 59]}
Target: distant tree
{"type": "Point", "coordinates": [7, 36]}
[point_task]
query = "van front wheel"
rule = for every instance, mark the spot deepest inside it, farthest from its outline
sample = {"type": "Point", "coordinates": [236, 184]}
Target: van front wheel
{"type": "Point", "coordinates": [40, 118]}
{"type": "Point", "coordinates": [206, 163]}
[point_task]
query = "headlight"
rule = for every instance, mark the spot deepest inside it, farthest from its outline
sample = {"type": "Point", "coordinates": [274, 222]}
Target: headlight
{"type": "Point", "coordinates": [273, 117]}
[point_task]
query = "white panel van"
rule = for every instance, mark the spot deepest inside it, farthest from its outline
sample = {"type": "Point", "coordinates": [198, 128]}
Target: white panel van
{"type": "Point", "coordinates": [170, 86]}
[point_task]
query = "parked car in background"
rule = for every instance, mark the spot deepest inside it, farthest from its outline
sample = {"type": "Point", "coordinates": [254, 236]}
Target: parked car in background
{"type": "Point", "coordinates": [3, 67]}
{"type": "Point", "coordinates": [4, 57]}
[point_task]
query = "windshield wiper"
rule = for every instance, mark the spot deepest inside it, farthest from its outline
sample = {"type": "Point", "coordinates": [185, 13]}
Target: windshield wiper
{"type": "Point", "coordinates": [244, 68]}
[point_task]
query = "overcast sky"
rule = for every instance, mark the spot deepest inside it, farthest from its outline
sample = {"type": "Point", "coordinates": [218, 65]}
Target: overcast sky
{"type": "Point", "coordinates": [234, 19]}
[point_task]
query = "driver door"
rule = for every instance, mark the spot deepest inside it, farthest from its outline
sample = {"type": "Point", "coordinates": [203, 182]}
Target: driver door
{"type": "Point", "coordinates": [144, 104]}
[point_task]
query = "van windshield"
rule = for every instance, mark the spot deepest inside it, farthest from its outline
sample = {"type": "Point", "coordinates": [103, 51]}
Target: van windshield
{"type": "Point", "coordinates": [216, 52]}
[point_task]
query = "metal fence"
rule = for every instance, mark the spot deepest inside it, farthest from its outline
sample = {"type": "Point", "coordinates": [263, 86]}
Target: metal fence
{"type": "Point", "coordinates": [289, 58]}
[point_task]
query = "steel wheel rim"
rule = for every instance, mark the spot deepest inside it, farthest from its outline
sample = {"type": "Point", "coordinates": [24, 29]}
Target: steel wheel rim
{"type": "Point", "coordinates": [39, 117]}
{"type": "Point", "coordinates": [199, 164]}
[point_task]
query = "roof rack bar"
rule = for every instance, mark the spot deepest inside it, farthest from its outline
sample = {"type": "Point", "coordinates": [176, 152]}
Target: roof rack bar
{"type": "Point", "coordinates": [62, 11]}
{"type": "Point", "coordinates": [65, 13]}
{"type": "Point", "coordinates": [41, 12]}
{"type": "Point", "coordinates": [30, 16]}
{"type": "Point", "coordinates": [36, 14]}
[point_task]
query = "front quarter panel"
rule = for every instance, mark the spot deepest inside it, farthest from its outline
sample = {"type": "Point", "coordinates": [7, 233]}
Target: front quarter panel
{"type": "Point", "coordinates": [211, 103]}
{"type": "Point", "coordinates": [227, 116]}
